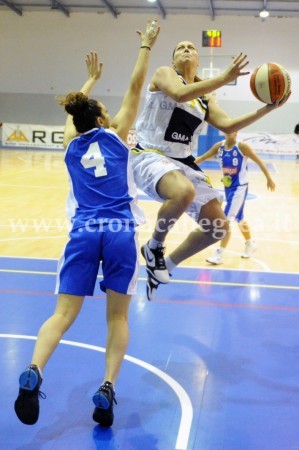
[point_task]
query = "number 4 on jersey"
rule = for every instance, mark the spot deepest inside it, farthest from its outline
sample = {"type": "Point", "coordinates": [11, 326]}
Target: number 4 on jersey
{"type": "Point", "coordinates": [93, 158]}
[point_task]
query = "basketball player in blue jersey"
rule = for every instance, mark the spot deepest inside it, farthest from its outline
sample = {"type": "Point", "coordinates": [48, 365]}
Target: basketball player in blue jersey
{"type": "Point", "coordinates": [104, 215]}
{"type": "Point", "coordinates": [177, 105]}
{"type": "Point", "coordinates": [233, 157]}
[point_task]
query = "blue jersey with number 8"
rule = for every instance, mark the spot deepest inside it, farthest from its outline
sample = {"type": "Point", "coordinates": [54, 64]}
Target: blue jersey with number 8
{"type": "Point", "coordinates": [233, 164]}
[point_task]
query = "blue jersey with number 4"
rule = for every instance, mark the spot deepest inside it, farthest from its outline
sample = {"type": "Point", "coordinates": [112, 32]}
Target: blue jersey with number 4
{"type": "Point", "coordinates": [102, 187]}
{"type": "Point", "coordinates": [234, 164]}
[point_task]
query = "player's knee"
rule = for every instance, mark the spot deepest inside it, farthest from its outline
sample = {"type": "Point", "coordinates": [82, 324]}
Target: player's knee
{"type": "Point", "coordinates": [176, 187]}
{"type": "Point", "coordinates": [186, 194]}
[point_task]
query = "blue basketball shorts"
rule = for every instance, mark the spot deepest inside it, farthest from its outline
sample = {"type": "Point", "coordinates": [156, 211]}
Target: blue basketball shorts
{"type": "Point", "coordinates": [79, 263]}
{"type": "Point", "coordinates": [235, 197]}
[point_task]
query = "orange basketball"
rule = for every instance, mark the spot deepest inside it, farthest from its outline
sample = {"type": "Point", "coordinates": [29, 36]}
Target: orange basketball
{"type": "Point", "coordinates": [269, 82]}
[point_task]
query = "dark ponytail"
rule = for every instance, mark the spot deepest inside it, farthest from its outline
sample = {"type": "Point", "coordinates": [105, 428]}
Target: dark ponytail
{"type": "Point", "coordinates": [85, 111]}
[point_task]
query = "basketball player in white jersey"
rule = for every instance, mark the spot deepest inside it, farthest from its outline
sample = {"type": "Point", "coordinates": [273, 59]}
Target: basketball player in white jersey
{"type": "Point", "coordinates": [177, 105]}
{"type": "Point", "coordinates": [233, 158]}
{"type": "Point", "coordinates": [104, 215]}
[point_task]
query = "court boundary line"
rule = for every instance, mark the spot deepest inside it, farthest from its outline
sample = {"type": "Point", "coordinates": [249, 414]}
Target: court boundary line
{"type": "Point", "coordinates": [178, 267]}
{"type": "Point", "coordinates": [185, 302]}
{"type": "Point", "coordinates": [208, 283]}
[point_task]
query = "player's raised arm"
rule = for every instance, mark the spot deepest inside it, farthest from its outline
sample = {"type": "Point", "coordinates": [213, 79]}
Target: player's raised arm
{"type": "Point", "coordinates": [124, 119]}
{"type": "Point", "coordinates": [94, 71]}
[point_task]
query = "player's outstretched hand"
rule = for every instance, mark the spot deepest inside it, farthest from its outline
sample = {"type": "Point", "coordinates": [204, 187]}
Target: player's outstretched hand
{"type": "Point", "coordinates": [278, 103]}
{"type": "Point", "coordinates": [94, 66]}
{"type": "Point", "coordinates": [235, 69]}
{"type": "Point", "coordinates": [149, 37]}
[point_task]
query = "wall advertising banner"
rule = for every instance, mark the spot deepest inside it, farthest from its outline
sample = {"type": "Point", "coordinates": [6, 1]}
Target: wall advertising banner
{"type": "Point", "coordinates": [40, 136]}
{"type": "Point", "coordinates": [51, 137]}
{"type": "Point", "coordinates": [32, 136]}
{"type": "Point", "coordinates": [274, 144]}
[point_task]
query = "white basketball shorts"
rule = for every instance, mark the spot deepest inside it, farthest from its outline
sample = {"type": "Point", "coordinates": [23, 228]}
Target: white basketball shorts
{"type": "Point", "coordinates": [149, 168]}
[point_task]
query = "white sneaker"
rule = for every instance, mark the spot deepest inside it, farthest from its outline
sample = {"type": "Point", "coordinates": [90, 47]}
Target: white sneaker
{"type": "Point", "coordinates": [250, 247]}
{"type": "Point", "coordinates": [216, 258]}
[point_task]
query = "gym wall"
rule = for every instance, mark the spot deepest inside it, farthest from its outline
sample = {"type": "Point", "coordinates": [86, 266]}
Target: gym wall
{"type": "Point", "coordinates": [43, 55]}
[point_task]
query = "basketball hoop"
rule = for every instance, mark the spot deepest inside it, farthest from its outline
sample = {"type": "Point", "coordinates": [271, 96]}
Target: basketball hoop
{"type": "Point", "coordinates": [210, 72]}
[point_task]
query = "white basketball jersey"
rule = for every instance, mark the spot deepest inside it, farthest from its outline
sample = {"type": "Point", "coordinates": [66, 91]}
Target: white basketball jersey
{"type": "Point", "coordinates": [169, 126]}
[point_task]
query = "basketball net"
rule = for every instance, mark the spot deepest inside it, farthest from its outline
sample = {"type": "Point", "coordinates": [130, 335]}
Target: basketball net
{"type": "Point", "coordinates": [211, 71]}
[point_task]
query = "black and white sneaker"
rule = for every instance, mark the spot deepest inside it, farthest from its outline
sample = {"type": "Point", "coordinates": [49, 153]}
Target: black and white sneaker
{"type": "Point", "coordinates": [151, 287]}
{"type": "Point", "coordinates": [27, 403]}
{"type": "Point", "coordinates": [103, 400]}
{"type": "Point", "coordinates": [155, 263]}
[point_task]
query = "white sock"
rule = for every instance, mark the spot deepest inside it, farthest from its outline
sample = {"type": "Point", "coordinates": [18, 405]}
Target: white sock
{"type": "Point", "coordinates": [153, 243]}
{"type": "Point", "coordinates": [169, 264]}
{"type": "Point", "coordinates": [40, 372]}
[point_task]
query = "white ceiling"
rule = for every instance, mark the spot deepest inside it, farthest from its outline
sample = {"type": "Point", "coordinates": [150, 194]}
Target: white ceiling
{"type": "Point", "coordinates": [162, 8]}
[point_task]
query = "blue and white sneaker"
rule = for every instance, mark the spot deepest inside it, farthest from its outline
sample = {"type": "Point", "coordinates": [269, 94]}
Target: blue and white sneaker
{"type": "Point", "coordinates": [103, 400]}
{"type": "Point", "coordinates": [27, 402]}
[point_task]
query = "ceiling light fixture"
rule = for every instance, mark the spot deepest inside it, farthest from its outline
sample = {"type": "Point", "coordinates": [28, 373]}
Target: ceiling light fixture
{"type": "Point", "coordinates": [264, 13]}
{"type": "Point", "coordinates": [152, 1]}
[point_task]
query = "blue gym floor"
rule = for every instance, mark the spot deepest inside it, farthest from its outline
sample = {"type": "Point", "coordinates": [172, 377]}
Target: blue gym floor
{"type": "Point", "coordinates": [212, 363]}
